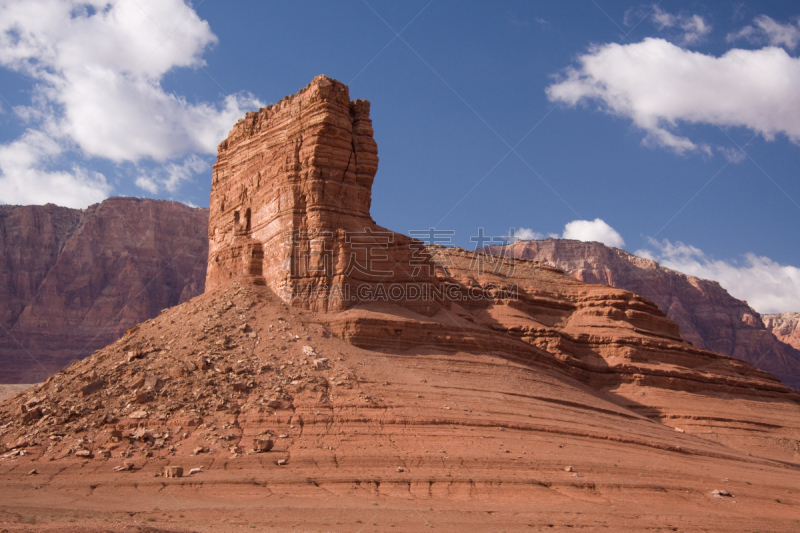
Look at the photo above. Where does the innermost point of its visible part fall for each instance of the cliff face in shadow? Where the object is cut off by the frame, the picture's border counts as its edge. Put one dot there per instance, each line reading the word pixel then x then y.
pixel 72 281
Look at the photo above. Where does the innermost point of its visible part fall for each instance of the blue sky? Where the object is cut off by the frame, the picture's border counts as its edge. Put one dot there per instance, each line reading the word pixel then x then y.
pixel 670 129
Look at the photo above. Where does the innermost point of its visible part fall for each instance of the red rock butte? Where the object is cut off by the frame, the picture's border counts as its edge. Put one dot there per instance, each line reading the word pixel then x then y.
pixel 524 399
pixel 290 204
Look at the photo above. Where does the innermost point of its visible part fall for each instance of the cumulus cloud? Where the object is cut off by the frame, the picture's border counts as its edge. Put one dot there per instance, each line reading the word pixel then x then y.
pixel 765 30
pixel 658 85
pixel 25 176
pixel 581 230
pixel 766 285
pixel 593 230
pixel 97 66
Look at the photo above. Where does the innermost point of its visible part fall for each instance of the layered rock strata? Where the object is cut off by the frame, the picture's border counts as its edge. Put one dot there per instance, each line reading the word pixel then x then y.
pixel 461 436
pixel 290 202
pixel 524 385
pixel 785 326
pixel 73 281
pixel 708 316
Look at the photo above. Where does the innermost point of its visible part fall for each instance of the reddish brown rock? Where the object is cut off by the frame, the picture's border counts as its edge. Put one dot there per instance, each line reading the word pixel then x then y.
pixel 31 239
pixel 459 418
pixel 28 415
pixel 447 409
pixel 708 316
pixel 785 326
pixel 262 445
pixel 71 281
pixel 290 204
pixel 173 471
pixel 91 388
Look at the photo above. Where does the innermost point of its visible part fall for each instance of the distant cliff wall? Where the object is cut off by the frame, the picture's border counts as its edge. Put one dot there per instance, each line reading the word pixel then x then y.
pixel 72 281
pixel 785 326
pixel 708 316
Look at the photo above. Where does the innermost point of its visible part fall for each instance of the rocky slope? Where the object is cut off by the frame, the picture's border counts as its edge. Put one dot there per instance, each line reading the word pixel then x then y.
pixel 413 433
pixel 708 316
pixel 785 326
pixel 72 281
pixel 500 382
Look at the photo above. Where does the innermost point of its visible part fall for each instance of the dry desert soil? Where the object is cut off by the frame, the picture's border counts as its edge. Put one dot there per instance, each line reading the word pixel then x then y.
pixel 374 440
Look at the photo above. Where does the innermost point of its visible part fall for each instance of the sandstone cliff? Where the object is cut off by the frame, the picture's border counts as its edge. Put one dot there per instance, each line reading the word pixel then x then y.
pixel 785 326
pixel 501 382
pixel 708 316
pixel 73 281
pixel 30 241
pixel 290 202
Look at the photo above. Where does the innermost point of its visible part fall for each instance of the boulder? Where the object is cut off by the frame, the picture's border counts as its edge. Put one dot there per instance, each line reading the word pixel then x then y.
pixel 173 471
pixel 261 445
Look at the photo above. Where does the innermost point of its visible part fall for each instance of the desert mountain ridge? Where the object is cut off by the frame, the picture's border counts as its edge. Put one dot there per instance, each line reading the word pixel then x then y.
pixel 334 372
pixel 72 281
pixel 708 316
pixel 133 279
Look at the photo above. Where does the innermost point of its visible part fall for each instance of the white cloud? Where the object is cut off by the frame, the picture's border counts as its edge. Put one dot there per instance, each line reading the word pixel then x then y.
pixel 657 85
pixel 525 234
pixel 593 230
pixel 148 183
pixel 767 30
pixel 767 286
pixel 681 28
pixel 734 155
pixel 26 179
pixel 97 66
pixel 663 19
pixel 694 27
pixel 581 230
pixel 170 176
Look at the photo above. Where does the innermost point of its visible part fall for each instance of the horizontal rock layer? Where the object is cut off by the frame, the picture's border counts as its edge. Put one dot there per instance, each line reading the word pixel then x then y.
pixel 488 423
pixel 708 316
pixel 290 202
pixel 467 380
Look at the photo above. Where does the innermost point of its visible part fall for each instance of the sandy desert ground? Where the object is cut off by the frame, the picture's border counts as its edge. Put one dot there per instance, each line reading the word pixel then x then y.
pixel 396 441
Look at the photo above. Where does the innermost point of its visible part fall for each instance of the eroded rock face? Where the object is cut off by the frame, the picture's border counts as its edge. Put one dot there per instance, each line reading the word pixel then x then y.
pixel 708 316
pixel 73 281
pixel 521 369
pixel 785 326
pixel 30 241
pixel 290 204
